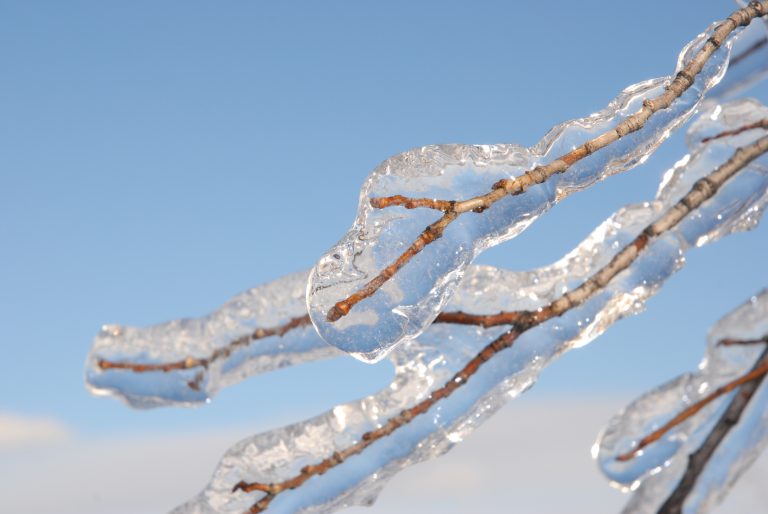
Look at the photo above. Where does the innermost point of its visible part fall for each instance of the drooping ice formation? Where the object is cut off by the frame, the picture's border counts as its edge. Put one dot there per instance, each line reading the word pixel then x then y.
pixel 410 300
pixel 206 354
pixel 424 364
pixel 659 468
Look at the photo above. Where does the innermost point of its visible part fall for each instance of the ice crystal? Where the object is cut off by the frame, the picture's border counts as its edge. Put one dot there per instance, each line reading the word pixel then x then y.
pixel 409 301
pixel 424 364
pixel 662 464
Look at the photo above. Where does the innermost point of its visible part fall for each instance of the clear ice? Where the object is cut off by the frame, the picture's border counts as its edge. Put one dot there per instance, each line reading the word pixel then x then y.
pixel 179 341
pixel 425 363
pixel 658 470
pixel 409 301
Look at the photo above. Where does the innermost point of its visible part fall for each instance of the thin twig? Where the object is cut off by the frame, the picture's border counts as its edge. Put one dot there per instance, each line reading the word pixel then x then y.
pixel 457 317
pixel 481 320
pixel 219 353
pixel 698 460
pixel 701 191
pixel 762 124
pixel 411 203
pixel 506 187
pixel 756 373
pixel 743 342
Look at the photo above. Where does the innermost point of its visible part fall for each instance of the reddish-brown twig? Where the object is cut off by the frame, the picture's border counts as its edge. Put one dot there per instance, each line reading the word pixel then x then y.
pixel 514 186
pixel 457 317
pixel 738 342
pixel 762 124
pixel 699 459
pixel 219 353
pixel 757 372
pixel 523 321
pixel 481 320
pixel 702 190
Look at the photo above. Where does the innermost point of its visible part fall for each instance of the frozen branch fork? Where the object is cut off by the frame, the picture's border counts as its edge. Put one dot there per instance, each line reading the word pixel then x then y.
pixel 375 289
pixel 471 337
pixel 454 375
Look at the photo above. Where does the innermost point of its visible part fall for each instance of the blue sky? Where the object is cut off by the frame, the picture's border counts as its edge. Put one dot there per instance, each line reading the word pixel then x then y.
pixel 158 158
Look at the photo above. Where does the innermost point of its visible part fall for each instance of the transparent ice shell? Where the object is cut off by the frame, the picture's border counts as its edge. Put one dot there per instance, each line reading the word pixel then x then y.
pixel 661 465
pixel 209 337
pixel 427 362
pixel 407 303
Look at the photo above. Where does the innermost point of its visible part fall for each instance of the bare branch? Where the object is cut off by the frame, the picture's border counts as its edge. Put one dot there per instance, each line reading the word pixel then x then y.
pixel 219 353
pixel 698 460
pixel 743 342
pixel 682 81
pixel 761 124
pixel 411 203
pixel 756 374
pixel 457 317
pixel 482 320
pixel 702 190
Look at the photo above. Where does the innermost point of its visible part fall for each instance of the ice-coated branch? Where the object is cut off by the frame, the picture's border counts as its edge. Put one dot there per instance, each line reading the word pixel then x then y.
pixel 755 375
pixel 731 342
pixel 684 444
pixel 369 265
pixel 703 189
pixel 759 124
pixel 442 389
pixel 540 174
pixel 137 363
pixel 186 362
pixel 702 457
pixel 190 362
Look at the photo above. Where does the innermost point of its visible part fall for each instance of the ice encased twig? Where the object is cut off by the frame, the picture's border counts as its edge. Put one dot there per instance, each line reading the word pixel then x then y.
pixel 182 340
pixel 426 363
pixel 748 64
pixel 410 300
pixel 660 466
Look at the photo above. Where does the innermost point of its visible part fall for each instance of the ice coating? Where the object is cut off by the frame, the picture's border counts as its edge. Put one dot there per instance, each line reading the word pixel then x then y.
pixel 188 341
pixel 411 299
pixel 658 471
pixel 747 66
pixel 424 364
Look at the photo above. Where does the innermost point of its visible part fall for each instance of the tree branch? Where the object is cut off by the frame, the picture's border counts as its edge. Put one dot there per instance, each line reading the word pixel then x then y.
pixel 742 342
pixel 219 353
pixel 756 374
pixel 456 317
pixel 761 124
pixel 699 459
pixel 508 187
pixel 701 191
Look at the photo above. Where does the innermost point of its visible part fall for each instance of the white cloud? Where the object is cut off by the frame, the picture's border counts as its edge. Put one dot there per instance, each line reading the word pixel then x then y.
pixel 19 431
pixel 531 458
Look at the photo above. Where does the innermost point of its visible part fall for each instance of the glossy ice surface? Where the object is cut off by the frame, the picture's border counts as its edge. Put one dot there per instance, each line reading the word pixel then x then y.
pixel 410 300
pixel 661 465
pixel 424 364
